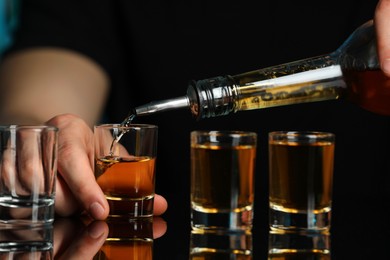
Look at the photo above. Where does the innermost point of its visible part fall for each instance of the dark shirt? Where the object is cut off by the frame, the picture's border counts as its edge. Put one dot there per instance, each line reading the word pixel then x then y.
pixel 151 49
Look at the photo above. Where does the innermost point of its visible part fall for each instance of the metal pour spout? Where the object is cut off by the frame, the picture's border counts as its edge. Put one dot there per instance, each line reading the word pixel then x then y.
pixel 163 105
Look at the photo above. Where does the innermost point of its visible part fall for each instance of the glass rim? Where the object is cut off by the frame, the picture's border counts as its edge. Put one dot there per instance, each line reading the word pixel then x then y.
pixel 28 127
pixel 306 134
pixel 233 133
pixel 130 126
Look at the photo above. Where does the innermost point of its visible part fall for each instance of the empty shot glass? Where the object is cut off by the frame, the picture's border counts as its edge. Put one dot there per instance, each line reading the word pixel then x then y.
pixel 222 180
pixel 300 180
pixel 28 166
pixel 125 158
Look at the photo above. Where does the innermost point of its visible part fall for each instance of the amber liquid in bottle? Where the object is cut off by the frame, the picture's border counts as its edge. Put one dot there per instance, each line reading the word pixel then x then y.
pixel 370 89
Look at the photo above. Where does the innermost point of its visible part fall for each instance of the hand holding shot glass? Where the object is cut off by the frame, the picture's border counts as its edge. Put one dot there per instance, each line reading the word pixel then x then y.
pixel 222 180
pixel 125 158
pixel 300 180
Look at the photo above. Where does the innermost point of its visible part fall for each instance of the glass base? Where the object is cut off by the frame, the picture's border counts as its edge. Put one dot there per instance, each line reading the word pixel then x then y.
pixel 20 212
pixel 222 221
pixel 315 222
pixel 131 208
pixel 28 246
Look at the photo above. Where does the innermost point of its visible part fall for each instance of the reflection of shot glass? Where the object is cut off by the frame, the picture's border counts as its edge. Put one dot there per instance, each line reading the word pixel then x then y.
pixel 300 180
pixel 125 159
pixel 131 239
pixel 220 245
pixel 299 245
pixel 222 180
pixel 28 166
pixel 34 242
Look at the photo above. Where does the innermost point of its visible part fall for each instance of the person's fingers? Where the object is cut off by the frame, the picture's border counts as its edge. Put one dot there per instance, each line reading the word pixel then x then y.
pixel 382 25
pixel 66 204
pixel 8 173
pixel 160 205
pixel 75 158
pixel 77 173
pixel 159 227
pixel 31 152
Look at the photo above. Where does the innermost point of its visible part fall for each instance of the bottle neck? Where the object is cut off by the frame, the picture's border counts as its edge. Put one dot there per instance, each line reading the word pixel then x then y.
pixel 212 97
pixel 205 98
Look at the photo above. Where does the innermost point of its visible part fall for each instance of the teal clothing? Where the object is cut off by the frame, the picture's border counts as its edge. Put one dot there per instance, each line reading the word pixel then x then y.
pixel 8 22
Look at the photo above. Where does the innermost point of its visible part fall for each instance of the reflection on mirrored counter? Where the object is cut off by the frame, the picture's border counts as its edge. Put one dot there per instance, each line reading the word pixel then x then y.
pixel 23 242
pixel 75 238
pixel 299 245
pixel 220 245
pixel 131 239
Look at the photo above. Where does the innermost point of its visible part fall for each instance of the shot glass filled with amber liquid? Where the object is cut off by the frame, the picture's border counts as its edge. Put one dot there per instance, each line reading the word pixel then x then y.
pixel 125 158
pixel 300 180
pixel 222 180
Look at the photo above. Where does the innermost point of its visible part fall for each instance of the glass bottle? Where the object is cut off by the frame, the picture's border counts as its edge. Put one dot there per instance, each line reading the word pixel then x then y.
pixel 352 72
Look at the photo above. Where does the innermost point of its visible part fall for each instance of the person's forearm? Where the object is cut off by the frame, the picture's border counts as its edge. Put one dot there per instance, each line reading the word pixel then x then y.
pixel 38 84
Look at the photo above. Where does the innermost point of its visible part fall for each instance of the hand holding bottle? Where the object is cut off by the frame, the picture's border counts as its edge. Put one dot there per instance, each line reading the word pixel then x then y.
pixel 382 25
pixel 356 71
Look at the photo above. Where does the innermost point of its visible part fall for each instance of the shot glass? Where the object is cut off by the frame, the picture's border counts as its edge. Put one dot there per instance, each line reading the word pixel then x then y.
pixel 222 180
pixel 125 158
pixel 28 166
pixel 300 180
